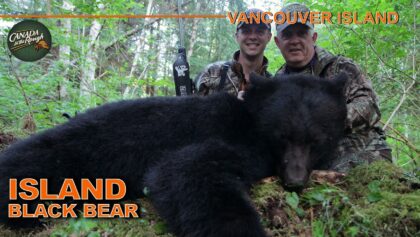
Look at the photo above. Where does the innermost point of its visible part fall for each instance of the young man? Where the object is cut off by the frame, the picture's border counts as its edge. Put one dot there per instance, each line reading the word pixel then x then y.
pixel 365 140
pixel 233 76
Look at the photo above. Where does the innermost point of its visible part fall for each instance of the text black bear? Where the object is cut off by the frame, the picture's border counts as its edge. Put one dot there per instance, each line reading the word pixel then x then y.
pixel 197 156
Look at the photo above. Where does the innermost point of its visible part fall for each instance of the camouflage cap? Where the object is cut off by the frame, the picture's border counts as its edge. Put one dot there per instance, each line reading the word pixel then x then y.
pixel 254 11
pixel 290 9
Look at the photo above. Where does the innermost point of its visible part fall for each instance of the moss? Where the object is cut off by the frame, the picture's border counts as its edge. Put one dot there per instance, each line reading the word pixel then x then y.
pixel 388 176
pixel 374 200
pixel 395 214
pixel 37 232
pixel 148 225
pixel 266 192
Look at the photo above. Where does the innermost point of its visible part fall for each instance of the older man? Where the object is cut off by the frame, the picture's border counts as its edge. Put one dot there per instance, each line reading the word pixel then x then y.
pixel 365 140
pixel 233 76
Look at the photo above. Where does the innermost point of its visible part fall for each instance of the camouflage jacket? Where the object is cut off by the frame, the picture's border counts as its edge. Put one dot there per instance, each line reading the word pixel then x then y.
pixel 207 82
pixel 363 132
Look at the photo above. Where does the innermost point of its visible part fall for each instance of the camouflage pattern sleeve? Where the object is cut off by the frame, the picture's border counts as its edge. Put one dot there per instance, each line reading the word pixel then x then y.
pixel 362 104
pixel 200 83
pixel 208 80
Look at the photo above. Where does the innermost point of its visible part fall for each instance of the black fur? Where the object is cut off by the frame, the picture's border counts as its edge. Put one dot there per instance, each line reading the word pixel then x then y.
pixel 198 156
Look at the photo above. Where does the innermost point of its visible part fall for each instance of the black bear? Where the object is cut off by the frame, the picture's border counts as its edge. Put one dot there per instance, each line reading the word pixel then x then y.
pixel 197 156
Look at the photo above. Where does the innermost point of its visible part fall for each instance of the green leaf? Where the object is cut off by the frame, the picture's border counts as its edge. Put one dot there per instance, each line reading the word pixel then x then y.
pixel 292 200
pixel 94 234
pixel 374 186
pixel 300 212
pixel 375 192
pixel 374 197
pixel 318 197
pixel 352 231
pixel 318 229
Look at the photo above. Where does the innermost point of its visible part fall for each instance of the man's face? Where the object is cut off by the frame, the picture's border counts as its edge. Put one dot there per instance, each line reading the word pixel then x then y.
pixel 252 39
pixel 296 45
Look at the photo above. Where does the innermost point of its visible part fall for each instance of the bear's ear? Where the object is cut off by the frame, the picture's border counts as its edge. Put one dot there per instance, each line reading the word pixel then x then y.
pixel 340 82
pixel 260 87
pixel 257 80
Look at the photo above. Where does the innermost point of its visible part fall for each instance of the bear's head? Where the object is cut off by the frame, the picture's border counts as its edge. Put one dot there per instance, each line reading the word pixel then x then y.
pixel 301 119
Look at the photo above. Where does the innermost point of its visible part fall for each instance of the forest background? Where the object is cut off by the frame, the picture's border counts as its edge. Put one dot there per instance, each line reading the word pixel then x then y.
pixel 95 61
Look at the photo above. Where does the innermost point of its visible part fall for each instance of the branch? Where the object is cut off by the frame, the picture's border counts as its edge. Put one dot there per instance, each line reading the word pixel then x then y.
pixel 404 96
pixel 413 158
pixel 403 138
pixel 141 27
pixel 22 89
pixel 405 90
pixel 379 57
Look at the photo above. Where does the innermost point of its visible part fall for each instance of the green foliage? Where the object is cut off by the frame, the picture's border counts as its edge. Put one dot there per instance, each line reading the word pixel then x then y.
pixel 292 200
pixel 79 227
pixel 147 225
pixel 387 54
pixel 116 227
pixel 374 194
pixel 373 200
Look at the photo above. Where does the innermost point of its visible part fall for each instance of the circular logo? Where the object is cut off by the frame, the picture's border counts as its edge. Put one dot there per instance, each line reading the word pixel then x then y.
pixel 29 40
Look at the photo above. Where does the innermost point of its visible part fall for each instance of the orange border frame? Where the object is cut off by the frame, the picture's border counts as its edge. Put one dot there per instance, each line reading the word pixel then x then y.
pixel 112 16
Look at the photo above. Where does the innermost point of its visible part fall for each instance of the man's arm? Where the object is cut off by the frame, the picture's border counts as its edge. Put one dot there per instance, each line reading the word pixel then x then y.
pixel 208 80
pixel 200 83
pixel 362 104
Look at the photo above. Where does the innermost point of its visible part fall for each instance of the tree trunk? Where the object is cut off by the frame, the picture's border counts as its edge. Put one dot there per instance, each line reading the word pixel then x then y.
pixel 64 51
pixel 87 86
pixel 139 49
pixel 194 31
